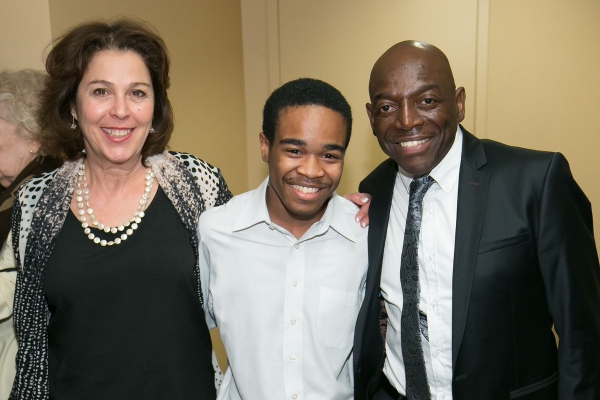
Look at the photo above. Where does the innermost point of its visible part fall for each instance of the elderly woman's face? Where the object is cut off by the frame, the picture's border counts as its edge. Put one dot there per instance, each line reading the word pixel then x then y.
pixel 115 104
pixel 14 152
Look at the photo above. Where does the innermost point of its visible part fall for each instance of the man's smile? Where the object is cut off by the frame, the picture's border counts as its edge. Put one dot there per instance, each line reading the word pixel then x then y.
pixel 305 189
pixel 413 143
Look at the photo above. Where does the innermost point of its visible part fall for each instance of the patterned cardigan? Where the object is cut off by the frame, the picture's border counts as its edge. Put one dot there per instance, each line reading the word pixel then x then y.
pixel 42 205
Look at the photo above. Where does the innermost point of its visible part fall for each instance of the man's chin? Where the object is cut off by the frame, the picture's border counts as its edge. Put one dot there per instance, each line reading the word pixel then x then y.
pixel 307 211
pixel 413 169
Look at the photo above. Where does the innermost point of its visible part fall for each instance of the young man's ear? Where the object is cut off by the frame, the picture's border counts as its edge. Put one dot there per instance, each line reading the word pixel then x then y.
pixel 264 147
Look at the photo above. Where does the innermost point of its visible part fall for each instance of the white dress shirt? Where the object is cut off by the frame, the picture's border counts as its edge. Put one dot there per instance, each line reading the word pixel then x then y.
pixel 436 257
pixel 285 307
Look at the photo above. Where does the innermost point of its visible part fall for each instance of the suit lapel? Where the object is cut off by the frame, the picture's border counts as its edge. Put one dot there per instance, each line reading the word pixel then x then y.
pixel 369 346
pixel 472 197
pixel 379 218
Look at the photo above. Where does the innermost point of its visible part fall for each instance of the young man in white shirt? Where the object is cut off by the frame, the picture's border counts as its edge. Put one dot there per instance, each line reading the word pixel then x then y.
pixel 284 265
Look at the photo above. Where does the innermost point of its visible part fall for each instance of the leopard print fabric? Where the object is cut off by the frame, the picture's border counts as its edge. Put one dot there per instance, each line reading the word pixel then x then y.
pixel 191 185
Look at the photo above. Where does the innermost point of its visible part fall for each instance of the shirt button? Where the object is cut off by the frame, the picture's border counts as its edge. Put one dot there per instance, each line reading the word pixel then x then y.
pixel 271 227
pixel 293 358
pixel 437 353
pixel 432 305
pixel 295 283
pixel 297 245
pixel 294 396
pixel 430 258
pixel 443 395
pixel 428 210
pixel 293 322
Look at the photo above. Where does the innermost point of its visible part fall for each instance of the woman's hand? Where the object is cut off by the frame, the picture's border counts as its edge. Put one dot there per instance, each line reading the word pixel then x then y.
pixel 363 200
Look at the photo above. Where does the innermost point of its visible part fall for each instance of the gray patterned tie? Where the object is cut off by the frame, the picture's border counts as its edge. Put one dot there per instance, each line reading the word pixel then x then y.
pixel 417 387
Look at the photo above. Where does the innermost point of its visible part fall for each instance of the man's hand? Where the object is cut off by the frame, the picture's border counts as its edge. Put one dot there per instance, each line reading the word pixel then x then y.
pixel 363 200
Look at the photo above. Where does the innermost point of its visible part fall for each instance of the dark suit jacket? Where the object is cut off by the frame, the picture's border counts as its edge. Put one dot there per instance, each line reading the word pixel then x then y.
pixel 524 258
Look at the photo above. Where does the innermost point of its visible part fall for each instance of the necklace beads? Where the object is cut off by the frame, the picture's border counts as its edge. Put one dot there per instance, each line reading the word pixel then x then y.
pixel 85 211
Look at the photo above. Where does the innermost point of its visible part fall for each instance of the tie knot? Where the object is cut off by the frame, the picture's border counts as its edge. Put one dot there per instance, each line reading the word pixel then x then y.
pixel 419 186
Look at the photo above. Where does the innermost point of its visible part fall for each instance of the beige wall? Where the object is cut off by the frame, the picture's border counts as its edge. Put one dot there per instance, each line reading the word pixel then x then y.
pixel 529 68
pixel 544 58
pixel 261 74
pixel 24 33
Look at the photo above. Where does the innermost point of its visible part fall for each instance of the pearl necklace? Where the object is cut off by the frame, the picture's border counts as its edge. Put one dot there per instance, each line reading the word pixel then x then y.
pixel 127 228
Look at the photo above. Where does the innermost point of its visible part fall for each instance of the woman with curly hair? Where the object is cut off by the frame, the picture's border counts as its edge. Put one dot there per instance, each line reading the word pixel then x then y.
pixel 108 301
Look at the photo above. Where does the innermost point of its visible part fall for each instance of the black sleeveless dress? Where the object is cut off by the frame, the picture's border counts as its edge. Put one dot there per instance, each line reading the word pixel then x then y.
pixel 126 321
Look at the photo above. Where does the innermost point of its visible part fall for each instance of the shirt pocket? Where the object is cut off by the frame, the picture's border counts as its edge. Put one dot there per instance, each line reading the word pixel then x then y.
pixel 336 318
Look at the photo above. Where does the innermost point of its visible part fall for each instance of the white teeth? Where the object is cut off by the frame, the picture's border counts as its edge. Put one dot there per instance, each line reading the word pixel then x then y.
pixel 118 133
pixel 412 143
pixel 305 189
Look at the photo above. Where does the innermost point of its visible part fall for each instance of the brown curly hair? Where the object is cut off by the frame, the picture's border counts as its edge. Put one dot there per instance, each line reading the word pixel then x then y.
pixel 68 61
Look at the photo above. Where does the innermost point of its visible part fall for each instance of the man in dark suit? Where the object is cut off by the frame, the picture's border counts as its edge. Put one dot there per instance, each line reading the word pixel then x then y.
pixel 504 250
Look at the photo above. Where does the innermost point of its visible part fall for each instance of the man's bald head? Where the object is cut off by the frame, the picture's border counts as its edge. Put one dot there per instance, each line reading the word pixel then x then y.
pixel 412 54
pixel 415 108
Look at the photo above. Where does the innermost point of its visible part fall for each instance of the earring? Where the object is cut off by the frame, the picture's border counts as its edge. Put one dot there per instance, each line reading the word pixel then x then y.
pixel 73 125
pixel 31 151
pixel 151 129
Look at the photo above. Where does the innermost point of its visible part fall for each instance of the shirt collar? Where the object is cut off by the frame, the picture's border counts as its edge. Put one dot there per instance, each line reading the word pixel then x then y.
pixel 446 172
pixel 337 218
pixel 255 212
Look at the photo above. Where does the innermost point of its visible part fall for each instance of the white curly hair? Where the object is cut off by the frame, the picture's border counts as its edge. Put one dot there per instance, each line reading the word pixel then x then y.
pixel 19 92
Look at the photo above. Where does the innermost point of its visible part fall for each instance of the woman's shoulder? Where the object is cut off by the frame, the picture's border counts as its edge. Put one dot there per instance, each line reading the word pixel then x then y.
pixel 39 183
pixel 194 164
pixel 208 179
